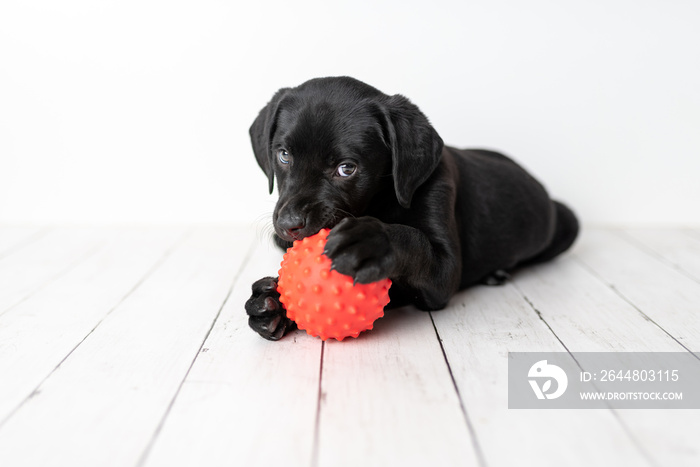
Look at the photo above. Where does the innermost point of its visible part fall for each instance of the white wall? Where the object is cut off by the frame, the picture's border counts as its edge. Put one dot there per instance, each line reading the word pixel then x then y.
pixel 139 110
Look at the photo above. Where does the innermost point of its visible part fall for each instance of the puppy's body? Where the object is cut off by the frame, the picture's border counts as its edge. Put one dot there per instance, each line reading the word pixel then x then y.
pixel 400 204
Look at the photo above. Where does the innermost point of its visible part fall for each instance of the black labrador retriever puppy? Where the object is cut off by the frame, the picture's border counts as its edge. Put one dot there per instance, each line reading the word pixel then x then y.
pixel 401 205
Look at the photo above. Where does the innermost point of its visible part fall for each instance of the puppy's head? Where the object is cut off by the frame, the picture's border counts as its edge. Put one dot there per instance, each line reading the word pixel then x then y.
pixel 333 144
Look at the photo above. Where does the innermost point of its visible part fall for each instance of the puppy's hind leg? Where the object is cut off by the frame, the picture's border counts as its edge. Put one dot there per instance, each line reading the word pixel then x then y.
pixel 565 232
pixel 497 277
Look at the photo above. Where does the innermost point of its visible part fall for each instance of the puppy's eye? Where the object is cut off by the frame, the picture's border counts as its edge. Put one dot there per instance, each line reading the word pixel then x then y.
pixel 346 169
pixel 283 156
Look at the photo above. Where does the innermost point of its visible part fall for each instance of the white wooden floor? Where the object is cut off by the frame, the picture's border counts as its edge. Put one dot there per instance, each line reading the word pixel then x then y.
pixel 130 347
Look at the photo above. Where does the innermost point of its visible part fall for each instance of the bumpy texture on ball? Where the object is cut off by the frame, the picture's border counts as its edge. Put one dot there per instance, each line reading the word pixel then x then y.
pixel 323 302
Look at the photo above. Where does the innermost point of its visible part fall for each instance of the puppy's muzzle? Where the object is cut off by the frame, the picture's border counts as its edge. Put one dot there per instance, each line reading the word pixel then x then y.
pixel 290 226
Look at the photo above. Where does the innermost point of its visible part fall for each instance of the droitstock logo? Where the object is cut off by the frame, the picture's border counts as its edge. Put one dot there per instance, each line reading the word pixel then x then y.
pixel 545 373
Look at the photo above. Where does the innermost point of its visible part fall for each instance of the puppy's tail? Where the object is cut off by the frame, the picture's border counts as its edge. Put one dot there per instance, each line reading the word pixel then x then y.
pixel 565 232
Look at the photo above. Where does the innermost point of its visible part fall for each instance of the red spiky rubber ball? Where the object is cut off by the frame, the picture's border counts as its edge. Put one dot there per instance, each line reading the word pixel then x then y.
pixel 323 302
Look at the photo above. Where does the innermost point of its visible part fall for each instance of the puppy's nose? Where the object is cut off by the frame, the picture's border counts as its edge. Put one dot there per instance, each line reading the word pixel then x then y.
pixel 292 224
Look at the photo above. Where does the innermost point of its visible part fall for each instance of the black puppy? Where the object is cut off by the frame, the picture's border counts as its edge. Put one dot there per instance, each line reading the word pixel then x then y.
pixel 401 205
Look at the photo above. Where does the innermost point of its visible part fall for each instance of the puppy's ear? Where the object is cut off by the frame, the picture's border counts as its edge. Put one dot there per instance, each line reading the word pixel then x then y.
pixel 261 132
pixel 415 146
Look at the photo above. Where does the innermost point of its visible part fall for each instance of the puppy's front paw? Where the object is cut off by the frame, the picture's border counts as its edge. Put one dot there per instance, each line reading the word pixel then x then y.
pixel 266 315
pixel 360 247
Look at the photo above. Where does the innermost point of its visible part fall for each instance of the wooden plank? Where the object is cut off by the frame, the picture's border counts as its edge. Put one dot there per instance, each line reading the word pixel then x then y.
pixel 388 399
pixel 13 238
pixel 27 270
pixel 675 246
pixel 246 401
pixel 478 329
pixel 589 316
pixel 104 402
pixel 225 422
pixel 671 299
pixel 37 334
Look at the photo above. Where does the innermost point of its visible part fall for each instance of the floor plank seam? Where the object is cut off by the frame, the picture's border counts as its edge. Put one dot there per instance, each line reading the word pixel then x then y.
pixel 539 315
pixel 472 432
pixel 24 243
pixel 639 445
pixel 153 268
pixel 55 277
pixel 154 437
pixel 624 426
pixel 657 256
pixel 316 447
pixel 612 287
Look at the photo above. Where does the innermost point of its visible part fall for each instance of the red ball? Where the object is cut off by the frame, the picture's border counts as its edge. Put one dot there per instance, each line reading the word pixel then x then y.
pixel 323 302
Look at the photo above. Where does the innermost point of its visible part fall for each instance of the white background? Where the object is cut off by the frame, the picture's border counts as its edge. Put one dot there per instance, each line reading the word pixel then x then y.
pixel 139 111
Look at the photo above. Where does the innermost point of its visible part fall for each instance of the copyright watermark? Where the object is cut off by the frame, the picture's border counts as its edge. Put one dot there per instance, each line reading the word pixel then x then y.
pixel 593 380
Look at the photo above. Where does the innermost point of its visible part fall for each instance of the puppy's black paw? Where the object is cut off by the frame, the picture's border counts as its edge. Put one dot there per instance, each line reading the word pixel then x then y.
pixel 266 315
pixel 360 247
pixel 498 277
